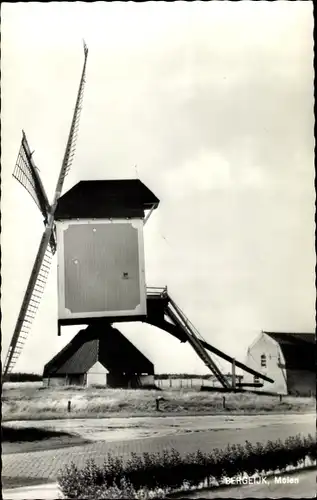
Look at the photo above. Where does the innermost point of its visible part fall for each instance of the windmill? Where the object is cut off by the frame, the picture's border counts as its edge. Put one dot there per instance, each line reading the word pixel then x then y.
pixel 27 174
pixel 97 228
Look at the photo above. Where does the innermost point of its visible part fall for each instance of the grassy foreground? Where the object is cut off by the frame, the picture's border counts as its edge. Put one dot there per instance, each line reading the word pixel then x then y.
pixel 34 402
pixel 157 474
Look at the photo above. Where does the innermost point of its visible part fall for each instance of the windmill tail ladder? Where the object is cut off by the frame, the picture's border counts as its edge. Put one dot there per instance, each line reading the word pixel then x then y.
pixel 177 320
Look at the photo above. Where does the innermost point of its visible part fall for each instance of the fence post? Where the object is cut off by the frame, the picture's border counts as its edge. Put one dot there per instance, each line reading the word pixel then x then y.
pixel 233 374
pixel 157 402
pixel 223 401
pixel 69 406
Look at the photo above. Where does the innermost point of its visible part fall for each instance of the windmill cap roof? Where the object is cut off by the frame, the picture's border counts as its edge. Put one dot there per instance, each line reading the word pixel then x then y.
pixel 118 198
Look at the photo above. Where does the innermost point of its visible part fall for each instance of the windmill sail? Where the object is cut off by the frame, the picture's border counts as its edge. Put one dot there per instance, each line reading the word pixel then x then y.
pixel 72 138
pixel 27 174
pixel 31 301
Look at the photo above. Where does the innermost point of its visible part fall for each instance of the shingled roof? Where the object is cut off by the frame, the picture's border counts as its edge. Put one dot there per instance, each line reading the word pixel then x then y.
pixel 297 349
pixel 101 343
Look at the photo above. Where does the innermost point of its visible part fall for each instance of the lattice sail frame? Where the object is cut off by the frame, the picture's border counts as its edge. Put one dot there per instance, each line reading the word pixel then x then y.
pixel 27 174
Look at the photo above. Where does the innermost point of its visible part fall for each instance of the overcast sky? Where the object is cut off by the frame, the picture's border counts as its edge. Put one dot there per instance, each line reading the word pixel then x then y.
pixel 214 103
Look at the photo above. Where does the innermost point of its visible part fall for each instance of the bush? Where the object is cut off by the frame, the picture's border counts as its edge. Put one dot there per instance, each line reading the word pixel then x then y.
pixel 158 473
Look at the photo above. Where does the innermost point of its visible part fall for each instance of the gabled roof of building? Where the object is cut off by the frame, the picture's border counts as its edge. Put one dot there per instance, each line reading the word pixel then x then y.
pixel 81 360
pixel 123 198
pixel 101 343
pixel 297 349
pixel 292 337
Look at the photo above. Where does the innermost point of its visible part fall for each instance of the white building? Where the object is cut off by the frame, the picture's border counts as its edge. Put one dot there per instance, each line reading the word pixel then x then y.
pixel 288 358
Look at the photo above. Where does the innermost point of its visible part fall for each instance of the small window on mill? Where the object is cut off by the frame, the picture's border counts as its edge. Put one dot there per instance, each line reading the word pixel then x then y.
pixel 263 360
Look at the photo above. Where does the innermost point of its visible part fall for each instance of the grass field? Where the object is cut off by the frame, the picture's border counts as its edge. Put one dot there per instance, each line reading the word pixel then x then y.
pixel 31 401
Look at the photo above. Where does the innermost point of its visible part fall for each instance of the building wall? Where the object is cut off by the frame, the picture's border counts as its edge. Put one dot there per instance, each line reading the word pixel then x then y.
pixel 128 381
pixel 62 380
pixel 117 380
pixel 54 381
pixel 264 345
pixel 146 380
pixel 97 374
pixel 301 382
pixel 76 379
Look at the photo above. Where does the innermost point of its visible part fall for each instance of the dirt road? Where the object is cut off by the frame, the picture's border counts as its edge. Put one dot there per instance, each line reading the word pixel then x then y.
pixel 196 434
pixel 120 429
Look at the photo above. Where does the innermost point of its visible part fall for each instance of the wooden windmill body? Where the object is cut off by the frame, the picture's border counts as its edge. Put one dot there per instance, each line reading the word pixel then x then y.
pixel 101 269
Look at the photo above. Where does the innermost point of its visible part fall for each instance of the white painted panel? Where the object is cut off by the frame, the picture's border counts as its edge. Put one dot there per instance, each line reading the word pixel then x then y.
pixel 97 375
pixel 274 357
pixel 101 268
pixel 98 368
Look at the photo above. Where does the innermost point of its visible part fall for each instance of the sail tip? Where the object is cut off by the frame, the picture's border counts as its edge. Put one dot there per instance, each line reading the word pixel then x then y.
pixel 85 48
